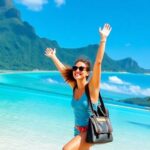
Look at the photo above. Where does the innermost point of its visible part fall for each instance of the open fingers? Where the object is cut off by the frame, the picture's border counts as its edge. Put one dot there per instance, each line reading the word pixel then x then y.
pixel 107 26
pixel 49 51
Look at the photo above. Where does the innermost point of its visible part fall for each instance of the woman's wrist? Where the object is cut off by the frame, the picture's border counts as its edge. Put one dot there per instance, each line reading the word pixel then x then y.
pixel 54 58
pixel 103 39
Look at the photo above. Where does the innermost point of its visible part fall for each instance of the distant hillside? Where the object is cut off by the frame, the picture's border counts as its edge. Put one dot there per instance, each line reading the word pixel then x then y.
pixel 138 101
pixel 22 49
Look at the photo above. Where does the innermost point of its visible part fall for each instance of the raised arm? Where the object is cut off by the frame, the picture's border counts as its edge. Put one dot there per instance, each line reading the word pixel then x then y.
pixel 51 53
pixel 94 83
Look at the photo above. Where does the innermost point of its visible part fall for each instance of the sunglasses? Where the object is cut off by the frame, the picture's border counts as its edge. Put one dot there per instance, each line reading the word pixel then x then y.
pixel 81 68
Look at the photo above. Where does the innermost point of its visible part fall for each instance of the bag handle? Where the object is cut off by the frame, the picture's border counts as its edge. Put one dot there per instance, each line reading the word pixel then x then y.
pixel 90 103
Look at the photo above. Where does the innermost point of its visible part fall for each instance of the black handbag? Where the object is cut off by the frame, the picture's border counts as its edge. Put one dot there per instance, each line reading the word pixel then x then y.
pixel 99 127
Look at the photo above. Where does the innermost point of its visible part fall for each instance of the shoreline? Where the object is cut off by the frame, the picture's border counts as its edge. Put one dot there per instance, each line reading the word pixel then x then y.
pixel 22 71
pixel 40 71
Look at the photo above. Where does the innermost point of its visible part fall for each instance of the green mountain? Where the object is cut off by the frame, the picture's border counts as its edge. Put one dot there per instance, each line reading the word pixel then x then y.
pixel 138 101
pixel 22 49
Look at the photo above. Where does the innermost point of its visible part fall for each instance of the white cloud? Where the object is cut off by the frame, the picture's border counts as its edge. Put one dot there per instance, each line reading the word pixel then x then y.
pixel 116 80
pixel 137 90
pixel 116 84
pixel 109 87
pixel 126 89
pixel 35 5
pixel 60 2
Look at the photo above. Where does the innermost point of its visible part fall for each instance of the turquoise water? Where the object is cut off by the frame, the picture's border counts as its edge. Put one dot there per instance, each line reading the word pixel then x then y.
pixel 35 111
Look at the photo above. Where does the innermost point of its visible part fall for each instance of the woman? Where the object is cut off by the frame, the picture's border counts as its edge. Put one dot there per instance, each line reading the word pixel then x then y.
pixel 77 77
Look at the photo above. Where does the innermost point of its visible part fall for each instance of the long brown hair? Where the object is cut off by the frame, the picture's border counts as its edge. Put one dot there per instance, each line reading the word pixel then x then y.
pixel 68 72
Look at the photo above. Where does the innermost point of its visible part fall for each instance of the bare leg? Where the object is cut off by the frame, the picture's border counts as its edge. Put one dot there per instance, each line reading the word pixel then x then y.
pixel 78 143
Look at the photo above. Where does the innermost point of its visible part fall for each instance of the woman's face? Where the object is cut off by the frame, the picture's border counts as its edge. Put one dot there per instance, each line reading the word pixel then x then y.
pixel 80 71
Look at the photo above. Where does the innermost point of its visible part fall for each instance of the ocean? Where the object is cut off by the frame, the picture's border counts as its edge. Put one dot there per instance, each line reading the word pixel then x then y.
pixel 36 114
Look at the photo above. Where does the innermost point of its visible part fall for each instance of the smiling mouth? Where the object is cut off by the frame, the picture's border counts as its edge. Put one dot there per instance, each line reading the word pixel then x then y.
pixel 77 74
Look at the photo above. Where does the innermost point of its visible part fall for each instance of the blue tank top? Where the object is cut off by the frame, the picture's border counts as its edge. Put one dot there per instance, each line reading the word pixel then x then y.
pixel 82 110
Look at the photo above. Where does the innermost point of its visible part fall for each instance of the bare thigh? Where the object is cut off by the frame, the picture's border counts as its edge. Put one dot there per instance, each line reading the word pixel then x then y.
pixel 78 143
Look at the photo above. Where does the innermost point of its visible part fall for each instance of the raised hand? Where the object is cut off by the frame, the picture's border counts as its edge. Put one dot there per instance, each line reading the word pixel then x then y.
pixel 105 31
pixel 49 52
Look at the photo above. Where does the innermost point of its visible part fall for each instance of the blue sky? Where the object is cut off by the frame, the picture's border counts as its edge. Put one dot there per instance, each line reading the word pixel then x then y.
pixel 75 23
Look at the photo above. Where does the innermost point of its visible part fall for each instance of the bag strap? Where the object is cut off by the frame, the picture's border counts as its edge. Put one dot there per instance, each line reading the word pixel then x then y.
pixel 74 88
pixel 90 103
